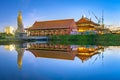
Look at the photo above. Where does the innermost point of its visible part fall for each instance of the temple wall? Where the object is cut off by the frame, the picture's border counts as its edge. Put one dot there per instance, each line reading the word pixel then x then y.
pixel 48 32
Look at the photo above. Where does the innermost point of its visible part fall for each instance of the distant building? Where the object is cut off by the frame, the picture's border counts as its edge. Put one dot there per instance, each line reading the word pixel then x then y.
pixel 54 27
pixel 10 30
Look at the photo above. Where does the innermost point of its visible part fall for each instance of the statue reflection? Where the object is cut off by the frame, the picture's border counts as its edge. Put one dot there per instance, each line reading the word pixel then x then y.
pixel 64 52
pixel 20 48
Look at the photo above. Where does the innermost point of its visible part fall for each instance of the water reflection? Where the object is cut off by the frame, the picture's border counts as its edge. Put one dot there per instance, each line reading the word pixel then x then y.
pixel 20 48
pixel 63 52
pixel 44 61
pixel 10 47
pixel 86 52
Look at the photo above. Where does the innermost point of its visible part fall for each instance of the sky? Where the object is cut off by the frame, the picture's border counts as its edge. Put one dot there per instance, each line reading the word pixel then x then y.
pixel 41 10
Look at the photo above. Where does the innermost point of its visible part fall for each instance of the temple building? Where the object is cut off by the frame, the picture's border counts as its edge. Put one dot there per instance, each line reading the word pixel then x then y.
pixel 54 27
pixel 85 25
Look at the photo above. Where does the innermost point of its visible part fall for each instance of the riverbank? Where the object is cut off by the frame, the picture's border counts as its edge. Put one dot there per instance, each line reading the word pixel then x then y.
pixel 105 39
pixel 13 40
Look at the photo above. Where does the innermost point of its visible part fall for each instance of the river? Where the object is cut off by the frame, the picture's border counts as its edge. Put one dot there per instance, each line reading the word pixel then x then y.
pixel 45 61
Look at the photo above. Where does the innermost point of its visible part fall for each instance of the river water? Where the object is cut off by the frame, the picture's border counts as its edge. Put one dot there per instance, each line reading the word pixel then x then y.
pixel 43 61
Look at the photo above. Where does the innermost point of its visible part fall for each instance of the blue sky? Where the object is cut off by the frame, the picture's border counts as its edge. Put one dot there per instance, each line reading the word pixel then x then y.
pixel 37 10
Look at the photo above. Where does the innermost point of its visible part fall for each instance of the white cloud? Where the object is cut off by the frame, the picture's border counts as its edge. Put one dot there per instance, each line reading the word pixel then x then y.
pixel 31 17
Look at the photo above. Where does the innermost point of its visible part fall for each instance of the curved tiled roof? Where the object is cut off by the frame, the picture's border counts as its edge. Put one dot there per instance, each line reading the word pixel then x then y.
pixel 67 23
pixel 86 20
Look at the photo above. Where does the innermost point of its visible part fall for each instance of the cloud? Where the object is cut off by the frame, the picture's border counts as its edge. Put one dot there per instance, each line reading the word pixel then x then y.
pixel 31 17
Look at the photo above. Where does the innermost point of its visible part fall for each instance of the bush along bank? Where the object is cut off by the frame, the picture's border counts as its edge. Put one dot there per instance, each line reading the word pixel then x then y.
pixel 105 39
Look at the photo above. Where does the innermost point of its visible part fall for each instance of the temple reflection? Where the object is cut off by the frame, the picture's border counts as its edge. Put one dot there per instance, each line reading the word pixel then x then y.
pixel 86 52
pixel 53 54
pixel 52 51
pixel 64 52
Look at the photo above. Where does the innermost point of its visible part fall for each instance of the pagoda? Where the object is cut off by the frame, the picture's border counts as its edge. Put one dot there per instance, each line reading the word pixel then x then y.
pixel 85 24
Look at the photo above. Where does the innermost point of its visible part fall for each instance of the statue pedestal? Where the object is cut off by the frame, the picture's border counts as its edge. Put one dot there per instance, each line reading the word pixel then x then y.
pixel 21 35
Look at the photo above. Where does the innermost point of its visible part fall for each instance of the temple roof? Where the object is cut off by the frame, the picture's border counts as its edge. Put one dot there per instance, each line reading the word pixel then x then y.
pixel 67 23
pixel 85 20
pixel 53 54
